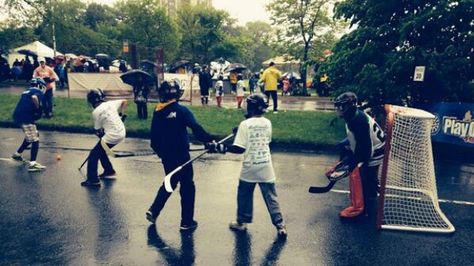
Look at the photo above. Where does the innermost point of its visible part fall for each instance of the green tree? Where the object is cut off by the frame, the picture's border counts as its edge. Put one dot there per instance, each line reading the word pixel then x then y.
pixel 146 24
pixel 204 35
pixel 258 36
pixel 301 23
pixel 378 58
pixel 12 36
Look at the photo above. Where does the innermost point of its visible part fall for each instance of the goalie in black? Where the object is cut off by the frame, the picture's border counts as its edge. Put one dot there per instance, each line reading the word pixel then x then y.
pixel 363 150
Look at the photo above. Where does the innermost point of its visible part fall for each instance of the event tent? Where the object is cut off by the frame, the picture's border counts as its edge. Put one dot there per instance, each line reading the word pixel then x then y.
pixel 38 47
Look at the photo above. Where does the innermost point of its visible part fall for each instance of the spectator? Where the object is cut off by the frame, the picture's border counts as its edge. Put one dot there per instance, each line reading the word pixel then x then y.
pixel 123 66
pixel 233 81
pixel 270 78
pixel 49 76
pixel 253 82
pixel 219 86
pixel 61 73
pixel 141 91
pixel 240 91
pixel 205 82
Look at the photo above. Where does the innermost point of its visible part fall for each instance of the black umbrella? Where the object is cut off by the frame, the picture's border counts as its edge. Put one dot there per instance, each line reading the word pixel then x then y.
pixel 180 63
pixel 289 75
pixel 27 52
pixel 136 77
pixel 102 56
pixel 236 67
pixel 148 63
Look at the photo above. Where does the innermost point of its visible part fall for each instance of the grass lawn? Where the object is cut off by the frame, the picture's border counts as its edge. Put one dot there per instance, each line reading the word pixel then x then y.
pixel 300 130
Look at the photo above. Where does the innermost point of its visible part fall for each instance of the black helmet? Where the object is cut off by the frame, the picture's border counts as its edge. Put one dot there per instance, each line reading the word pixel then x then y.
pixel 95 96
pixel 37 82
pixel 256 105
pixel 345 103
pixel 169 90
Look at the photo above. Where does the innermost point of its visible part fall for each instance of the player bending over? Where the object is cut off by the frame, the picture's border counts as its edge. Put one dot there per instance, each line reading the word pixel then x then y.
pixel 27 112
pixel 252 139
pixel 364 152
pixel 170 141
pixel 108 125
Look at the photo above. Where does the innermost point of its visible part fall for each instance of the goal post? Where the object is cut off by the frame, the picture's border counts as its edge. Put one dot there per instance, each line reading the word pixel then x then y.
pixel 408 196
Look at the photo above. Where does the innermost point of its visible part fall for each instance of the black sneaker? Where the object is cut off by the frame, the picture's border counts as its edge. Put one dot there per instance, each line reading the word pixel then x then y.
pixel 18 158
pixel 188 226
pixel 89 183
pixel 150 218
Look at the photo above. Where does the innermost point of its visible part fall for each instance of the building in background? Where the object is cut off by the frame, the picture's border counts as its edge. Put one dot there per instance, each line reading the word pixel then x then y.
pixel 172 6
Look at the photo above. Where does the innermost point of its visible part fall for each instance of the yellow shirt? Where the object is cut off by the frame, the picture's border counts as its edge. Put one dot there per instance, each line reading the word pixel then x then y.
pixel 270 77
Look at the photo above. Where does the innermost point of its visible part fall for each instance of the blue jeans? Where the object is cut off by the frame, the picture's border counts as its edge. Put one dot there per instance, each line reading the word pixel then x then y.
pixel 48 103
pixel 245 202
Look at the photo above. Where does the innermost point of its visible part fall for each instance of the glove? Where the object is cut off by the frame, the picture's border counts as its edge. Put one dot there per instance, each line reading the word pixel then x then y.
pixel 234 130
pixel 123 117
pixel 47 79
pixel 214 147
pixel 100 132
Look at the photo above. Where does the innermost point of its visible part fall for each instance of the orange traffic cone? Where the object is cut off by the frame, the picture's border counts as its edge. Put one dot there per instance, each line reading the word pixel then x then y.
pixel 356 195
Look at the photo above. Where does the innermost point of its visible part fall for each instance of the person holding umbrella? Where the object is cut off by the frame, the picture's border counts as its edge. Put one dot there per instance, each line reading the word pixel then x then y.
pixel 49 77
pixel 140 81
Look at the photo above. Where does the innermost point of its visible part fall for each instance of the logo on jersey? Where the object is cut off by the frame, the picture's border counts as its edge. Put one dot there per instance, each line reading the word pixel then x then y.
pixel 463 129
pixel 171 115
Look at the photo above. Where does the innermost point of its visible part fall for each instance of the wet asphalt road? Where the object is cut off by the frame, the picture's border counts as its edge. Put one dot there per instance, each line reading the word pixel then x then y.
pixel 48 218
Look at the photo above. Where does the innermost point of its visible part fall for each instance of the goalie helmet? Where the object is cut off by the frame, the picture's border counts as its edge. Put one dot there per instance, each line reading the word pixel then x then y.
pixel 95 96
pixel 346 104
pixel 256 105
pixel 170 90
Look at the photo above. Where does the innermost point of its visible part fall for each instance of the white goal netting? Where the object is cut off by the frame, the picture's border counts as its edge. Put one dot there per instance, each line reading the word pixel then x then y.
pixel 409 198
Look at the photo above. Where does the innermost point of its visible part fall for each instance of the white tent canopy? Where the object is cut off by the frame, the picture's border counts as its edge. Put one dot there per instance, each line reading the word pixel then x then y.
pixel 38 47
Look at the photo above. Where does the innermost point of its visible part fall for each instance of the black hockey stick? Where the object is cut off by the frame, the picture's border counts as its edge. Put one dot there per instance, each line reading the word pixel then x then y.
pixel 318 190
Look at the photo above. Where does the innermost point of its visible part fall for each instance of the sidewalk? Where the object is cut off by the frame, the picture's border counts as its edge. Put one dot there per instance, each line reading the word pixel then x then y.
pixel 310 103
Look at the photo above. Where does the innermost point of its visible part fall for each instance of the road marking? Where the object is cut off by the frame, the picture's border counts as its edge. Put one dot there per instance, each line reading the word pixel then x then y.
pixel 458 202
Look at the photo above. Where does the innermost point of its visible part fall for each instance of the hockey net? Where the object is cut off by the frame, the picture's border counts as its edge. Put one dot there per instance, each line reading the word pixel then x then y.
pixel 408 197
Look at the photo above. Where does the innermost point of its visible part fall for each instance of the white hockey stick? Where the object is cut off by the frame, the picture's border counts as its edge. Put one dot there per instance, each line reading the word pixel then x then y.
pixel 167 180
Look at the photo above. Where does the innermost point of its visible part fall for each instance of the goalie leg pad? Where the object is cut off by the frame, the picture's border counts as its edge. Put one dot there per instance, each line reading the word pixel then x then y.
pixel 356 195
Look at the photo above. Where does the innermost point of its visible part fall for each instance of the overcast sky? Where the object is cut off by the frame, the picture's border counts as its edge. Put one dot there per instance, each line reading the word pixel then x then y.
pixel 244 10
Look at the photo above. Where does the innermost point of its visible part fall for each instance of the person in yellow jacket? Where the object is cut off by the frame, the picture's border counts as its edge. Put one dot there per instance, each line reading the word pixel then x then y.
pixel 270 78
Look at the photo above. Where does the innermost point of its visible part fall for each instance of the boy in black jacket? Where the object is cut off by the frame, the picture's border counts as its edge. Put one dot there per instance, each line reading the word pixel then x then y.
pixel 169 139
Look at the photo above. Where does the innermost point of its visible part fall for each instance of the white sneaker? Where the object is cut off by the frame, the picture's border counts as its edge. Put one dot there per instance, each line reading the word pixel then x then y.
pixel 35 167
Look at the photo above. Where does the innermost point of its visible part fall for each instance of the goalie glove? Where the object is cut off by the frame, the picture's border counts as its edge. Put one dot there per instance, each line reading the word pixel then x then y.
pixel 342 170
pixel 214 147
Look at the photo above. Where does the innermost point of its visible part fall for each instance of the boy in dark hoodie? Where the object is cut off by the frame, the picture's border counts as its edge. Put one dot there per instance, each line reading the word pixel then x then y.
pixel 170 141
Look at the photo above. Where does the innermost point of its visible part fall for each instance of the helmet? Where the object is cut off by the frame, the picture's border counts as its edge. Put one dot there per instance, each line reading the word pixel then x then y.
pixel 37 82
pixel 95 96
pixel 240 76
pixel 256 105
pixel 345 103
pixel 170 90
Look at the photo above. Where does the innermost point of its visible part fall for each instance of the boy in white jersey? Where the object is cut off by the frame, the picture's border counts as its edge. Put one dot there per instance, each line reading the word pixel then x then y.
pixel 365 149
pixel 252 139
pixel 109 127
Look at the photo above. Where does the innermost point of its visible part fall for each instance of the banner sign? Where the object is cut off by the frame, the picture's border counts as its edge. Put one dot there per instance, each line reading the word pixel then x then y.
pixel 454 123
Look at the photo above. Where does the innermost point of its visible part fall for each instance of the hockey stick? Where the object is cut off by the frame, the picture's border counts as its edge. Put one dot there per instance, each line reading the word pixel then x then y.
pixel 325 189
pixel 167 180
